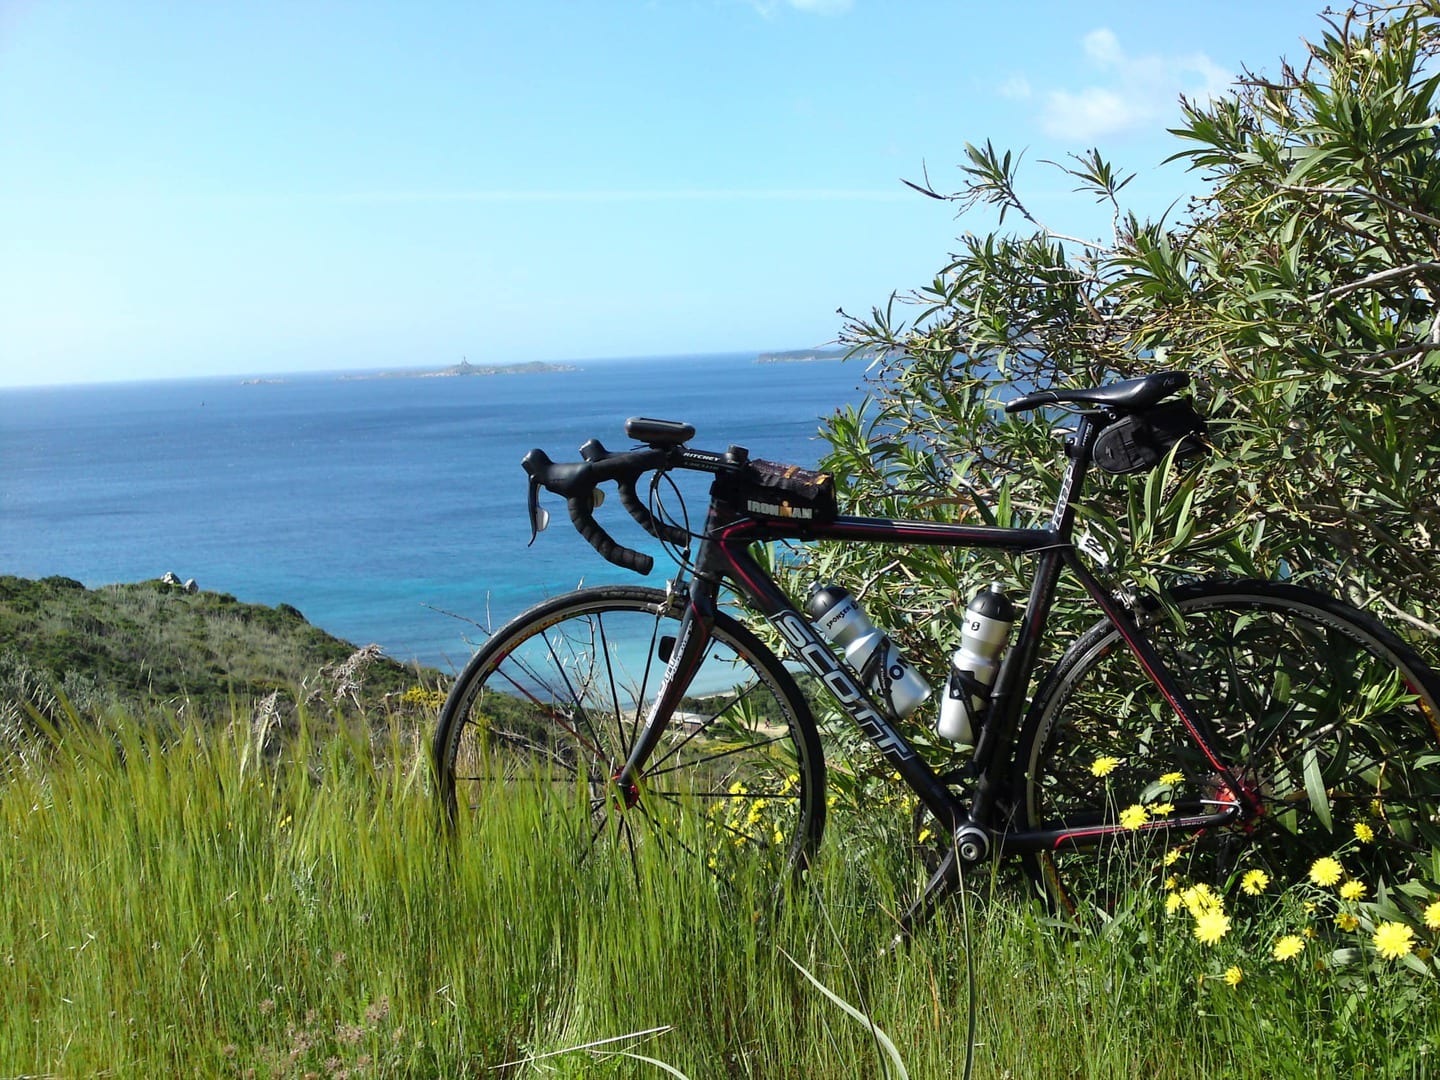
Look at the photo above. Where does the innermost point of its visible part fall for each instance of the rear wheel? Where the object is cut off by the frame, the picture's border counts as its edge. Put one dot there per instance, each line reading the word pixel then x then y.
pixel 1317 708
pixel 546 712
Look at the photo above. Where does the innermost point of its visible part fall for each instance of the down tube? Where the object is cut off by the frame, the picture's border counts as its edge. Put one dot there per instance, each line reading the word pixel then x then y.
pixel 802 640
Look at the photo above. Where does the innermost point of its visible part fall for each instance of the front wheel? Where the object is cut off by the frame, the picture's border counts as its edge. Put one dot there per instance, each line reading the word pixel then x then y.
pixel 1323 713
pixel 544 715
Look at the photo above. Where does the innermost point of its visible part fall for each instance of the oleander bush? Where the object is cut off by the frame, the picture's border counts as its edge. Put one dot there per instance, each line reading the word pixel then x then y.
pixel 1301 291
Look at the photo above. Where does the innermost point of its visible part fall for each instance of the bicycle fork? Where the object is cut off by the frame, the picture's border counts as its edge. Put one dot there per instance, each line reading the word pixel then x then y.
pixel 691 642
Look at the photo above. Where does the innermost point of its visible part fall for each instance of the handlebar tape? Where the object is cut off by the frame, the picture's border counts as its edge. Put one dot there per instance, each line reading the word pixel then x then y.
pixel 580 477
pixel 594 450
pixel 576 482
pixel 661 530
pixel 586 525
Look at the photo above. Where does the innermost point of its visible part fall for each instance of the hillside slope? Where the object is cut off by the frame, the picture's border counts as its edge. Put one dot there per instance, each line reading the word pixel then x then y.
pixel 151 641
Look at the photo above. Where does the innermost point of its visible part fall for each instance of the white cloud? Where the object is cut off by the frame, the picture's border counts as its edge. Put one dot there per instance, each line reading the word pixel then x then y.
pixel 1103 47
pixel 1091 112
pixel 1129 92
pixel 1016 88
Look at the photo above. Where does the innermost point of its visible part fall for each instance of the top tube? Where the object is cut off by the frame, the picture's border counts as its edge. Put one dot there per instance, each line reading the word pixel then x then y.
pixel 801 512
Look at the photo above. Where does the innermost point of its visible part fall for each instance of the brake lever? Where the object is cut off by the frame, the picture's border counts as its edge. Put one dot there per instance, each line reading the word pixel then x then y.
pixel 539 516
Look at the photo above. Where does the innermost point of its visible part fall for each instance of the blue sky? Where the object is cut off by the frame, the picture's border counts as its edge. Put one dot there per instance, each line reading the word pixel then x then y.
pixel 261 187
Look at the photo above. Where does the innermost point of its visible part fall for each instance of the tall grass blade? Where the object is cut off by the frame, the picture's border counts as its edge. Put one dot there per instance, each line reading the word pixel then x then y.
pixel 874 1028
pixel 652 1061
pixel 646 1034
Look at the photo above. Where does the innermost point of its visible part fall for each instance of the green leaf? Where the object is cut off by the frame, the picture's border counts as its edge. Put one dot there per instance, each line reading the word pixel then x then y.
pixel 1315 789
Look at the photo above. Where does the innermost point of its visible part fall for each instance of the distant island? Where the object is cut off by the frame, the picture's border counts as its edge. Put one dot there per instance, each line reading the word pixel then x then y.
pixel 463 368
pixel 801 356
pixel 808 356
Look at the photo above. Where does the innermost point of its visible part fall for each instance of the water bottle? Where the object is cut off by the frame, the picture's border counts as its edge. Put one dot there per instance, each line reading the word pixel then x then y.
pixel 988 619
pixel 890 678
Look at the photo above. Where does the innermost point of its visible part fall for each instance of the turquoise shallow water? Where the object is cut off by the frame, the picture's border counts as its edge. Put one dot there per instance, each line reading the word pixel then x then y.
pixel 375 506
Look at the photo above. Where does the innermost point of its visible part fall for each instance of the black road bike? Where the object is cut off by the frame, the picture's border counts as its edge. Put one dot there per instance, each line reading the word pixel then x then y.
pixel 1222 727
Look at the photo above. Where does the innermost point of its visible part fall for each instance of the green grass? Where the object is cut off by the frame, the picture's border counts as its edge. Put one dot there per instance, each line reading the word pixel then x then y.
pixel 184 904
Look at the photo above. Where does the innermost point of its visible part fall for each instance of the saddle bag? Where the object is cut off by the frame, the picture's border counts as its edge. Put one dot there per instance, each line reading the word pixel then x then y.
pixel 768 489
pixel 1141 441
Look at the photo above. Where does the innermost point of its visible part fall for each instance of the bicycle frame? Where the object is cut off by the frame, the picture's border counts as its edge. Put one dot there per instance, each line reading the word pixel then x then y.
pixel 982 825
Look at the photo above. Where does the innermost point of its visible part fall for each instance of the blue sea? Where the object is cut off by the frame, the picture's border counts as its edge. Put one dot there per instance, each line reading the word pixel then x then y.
pixel 388 510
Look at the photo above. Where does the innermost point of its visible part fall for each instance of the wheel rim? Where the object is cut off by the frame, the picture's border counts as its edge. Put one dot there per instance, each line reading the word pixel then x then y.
pixel 556 706
pixel 1317 719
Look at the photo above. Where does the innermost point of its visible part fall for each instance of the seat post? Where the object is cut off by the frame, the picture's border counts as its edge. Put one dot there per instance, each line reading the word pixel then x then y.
pixel 1080 448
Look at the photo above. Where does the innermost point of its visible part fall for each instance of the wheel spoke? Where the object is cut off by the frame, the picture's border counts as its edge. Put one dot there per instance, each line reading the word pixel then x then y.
pixel 704 726
pixel 554 702
pixel 1303 697
pixel 748 748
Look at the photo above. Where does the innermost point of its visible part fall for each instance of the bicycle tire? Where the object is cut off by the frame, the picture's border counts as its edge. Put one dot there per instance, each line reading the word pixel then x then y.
pixel 1324 712
pixel 740 774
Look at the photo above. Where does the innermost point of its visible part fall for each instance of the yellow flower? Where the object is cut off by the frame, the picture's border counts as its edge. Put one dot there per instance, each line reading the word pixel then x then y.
pixel 1233 975
pixel 1432 916
pixel 1173 903
pixel 1255 882
pixel 1347 921
pixel 1132 817
pixel 1288 947
pixel 1364 833
pixel 1161 809
pixel 1172 856
pixel 925 834
pixel 1199 899
pixel 1326 871
pixel 1211 926
pixel 1104 766
pixel 1352 890
pixel 1172 883
pixel 1172 778
pixel 1393 940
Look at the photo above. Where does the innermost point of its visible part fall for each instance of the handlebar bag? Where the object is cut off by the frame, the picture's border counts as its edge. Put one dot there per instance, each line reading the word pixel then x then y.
pixel 1140 441
pixel 768 489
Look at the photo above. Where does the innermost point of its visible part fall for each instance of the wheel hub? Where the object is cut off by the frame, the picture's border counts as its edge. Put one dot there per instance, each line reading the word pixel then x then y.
pixel 626 796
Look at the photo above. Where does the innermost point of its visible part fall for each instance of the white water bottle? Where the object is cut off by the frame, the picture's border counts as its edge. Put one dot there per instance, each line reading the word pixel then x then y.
pixel 890 678
pixel 988 619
